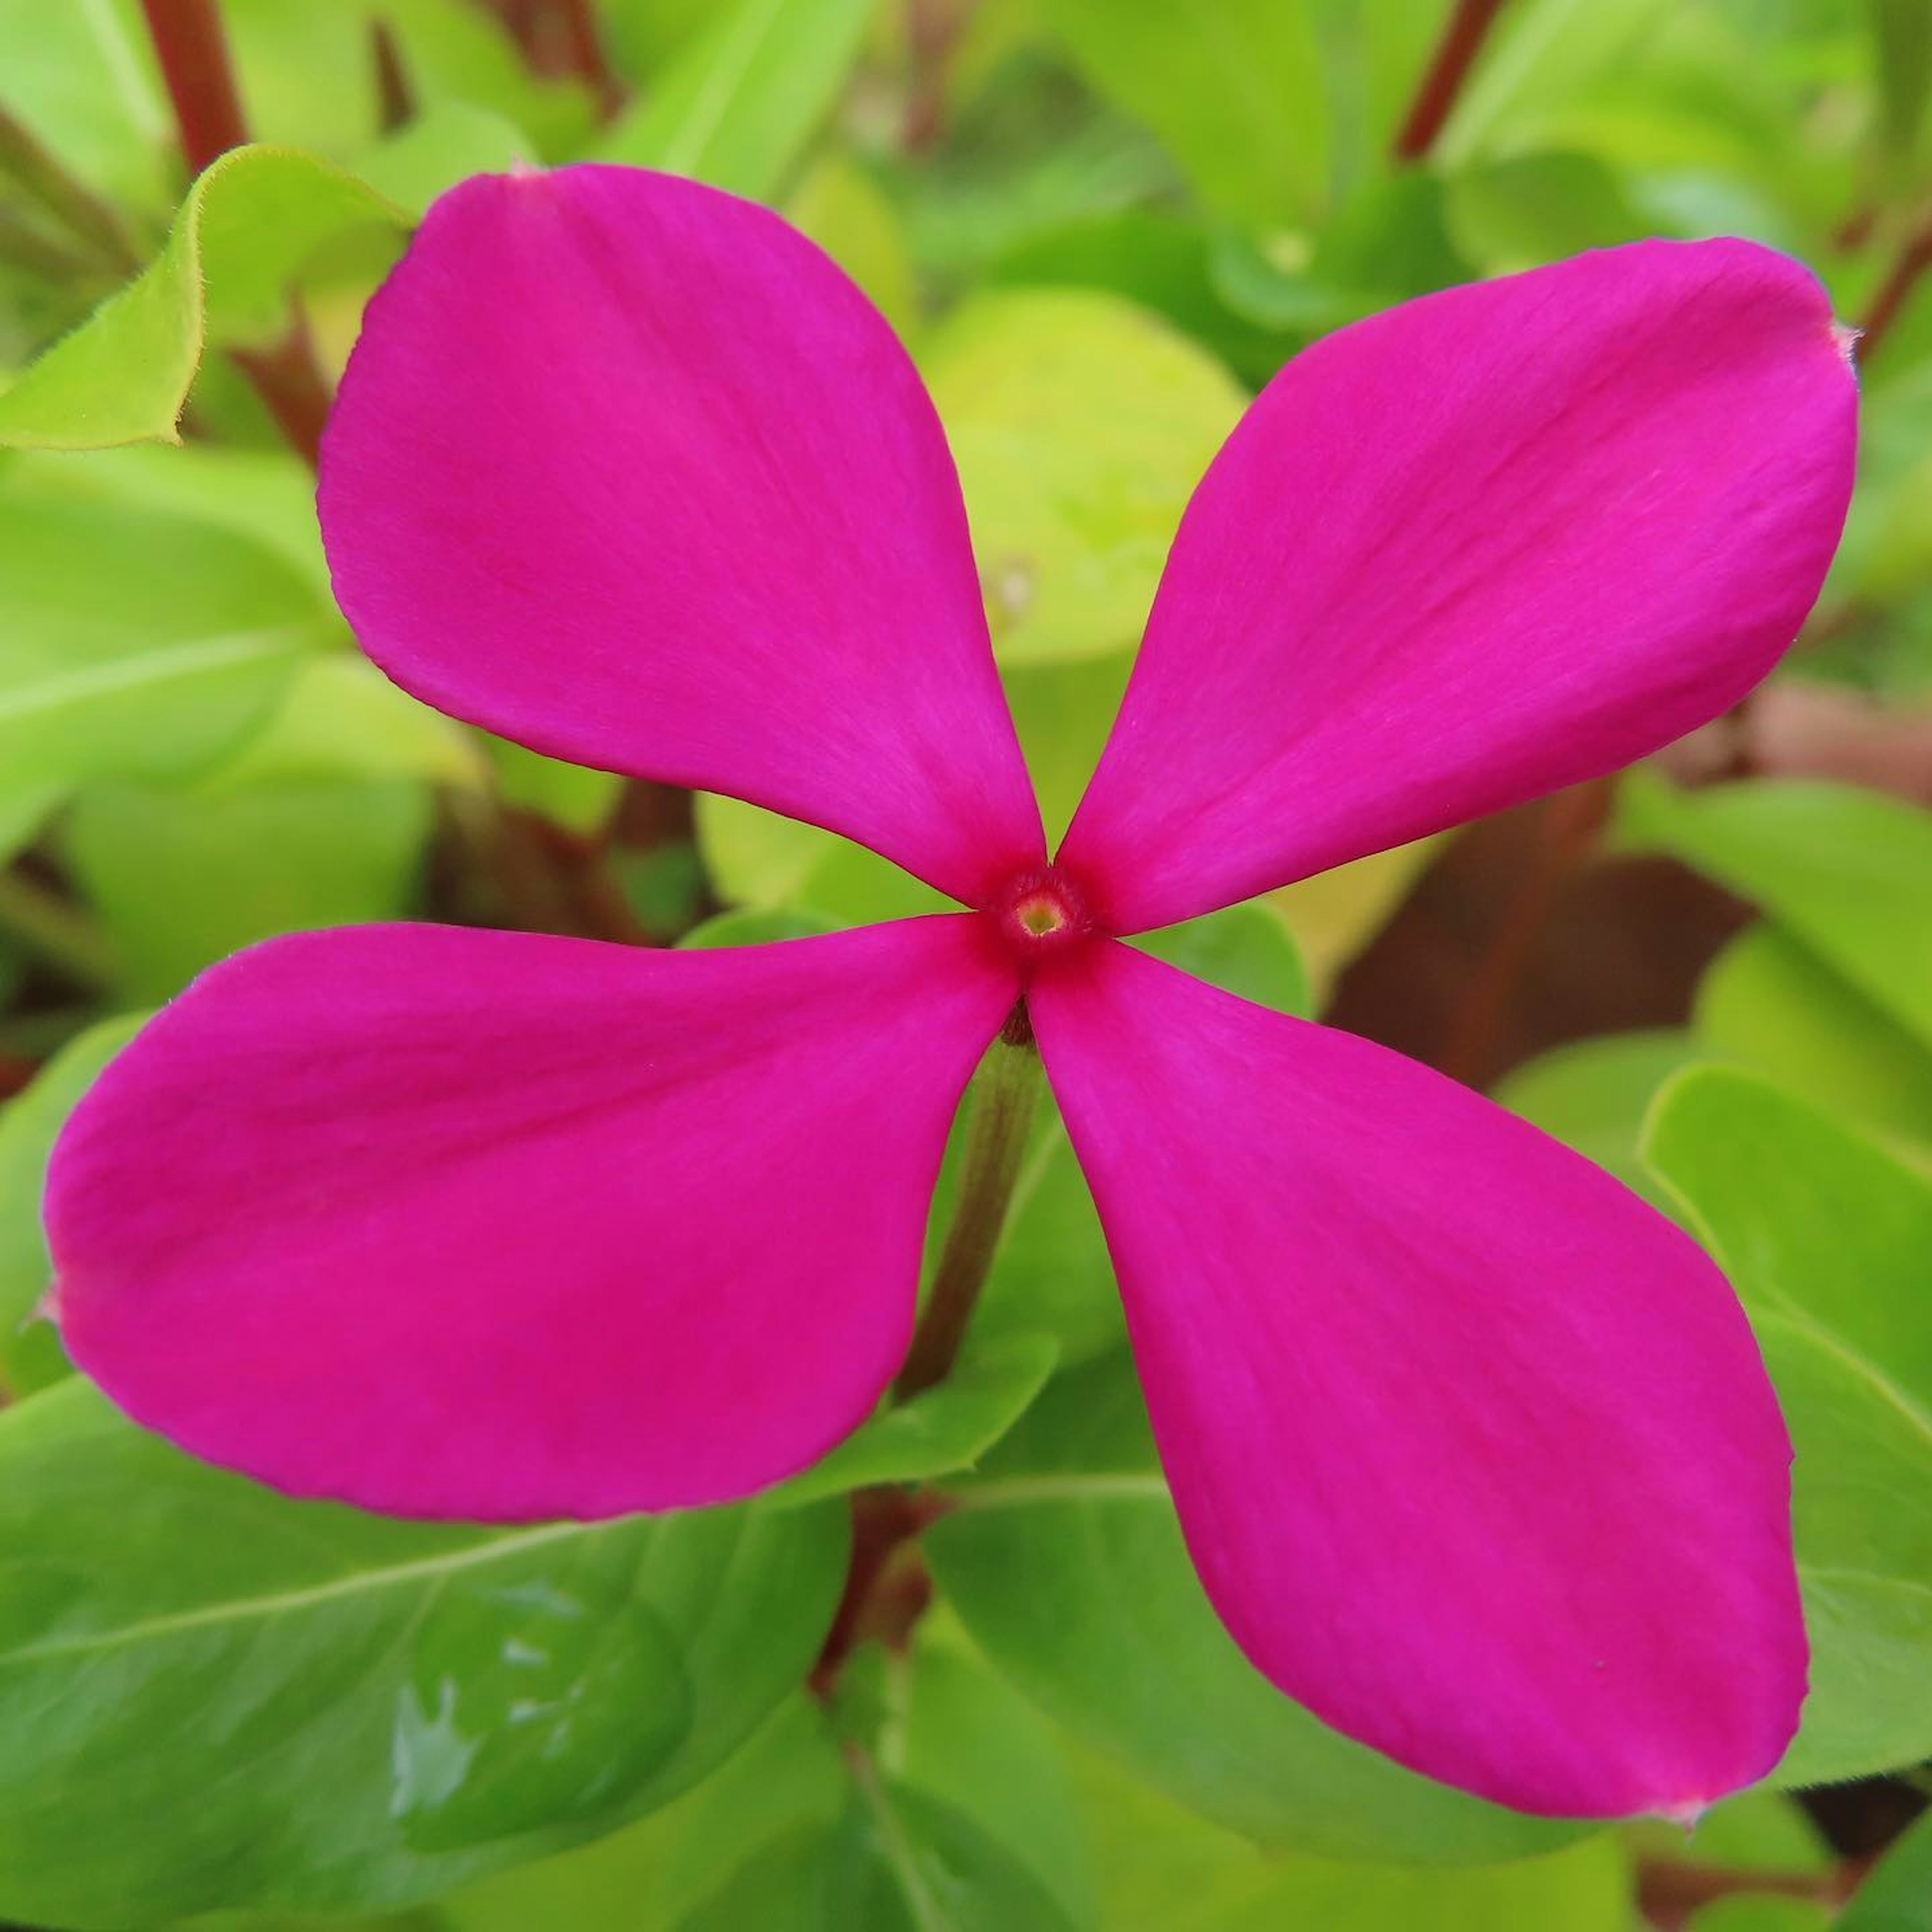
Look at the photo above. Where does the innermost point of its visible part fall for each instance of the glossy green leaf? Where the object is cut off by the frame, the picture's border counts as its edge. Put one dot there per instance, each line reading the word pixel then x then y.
pixel 211 1695
pixel 250 223
pixel 1847 871
pixel 1825 1236
pixel 138 644
pixel 178 880
pixel 1593 1094
pixel 1232 88
pixel 30 1354
pixel 737 107
pixel 787 1779
pixel 942 1429
pixel 1066 1563
pixel 1897 1896
pixel 1073 500
pixel 1769 1002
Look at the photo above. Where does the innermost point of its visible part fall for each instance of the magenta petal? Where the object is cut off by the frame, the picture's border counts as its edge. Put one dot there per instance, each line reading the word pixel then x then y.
pixel 492 1225
pixel 1474 1451
pixel 628 470
pixel 1489 543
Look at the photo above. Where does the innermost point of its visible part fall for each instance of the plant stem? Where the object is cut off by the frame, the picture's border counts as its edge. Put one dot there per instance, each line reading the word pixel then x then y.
pixel 1002 1096
pixel 1448 68
pixel 40 173
pixel 1570 822
pixel 193 52
pixel 1914 259
pixel 48 927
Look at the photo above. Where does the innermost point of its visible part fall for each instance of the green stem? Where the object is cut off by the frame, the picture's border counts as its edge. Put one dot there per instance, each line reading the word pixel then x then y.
pixel 1002 1096
pixel 46 925
pixel 25 160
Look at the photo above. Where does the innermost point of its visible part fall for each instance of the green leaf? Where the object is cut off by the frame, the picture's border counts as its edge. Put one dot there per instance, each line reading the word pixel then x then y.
pixel 1066 1563
pixel 1847 871
pixel 1825 1235
pixel 752 925
pixel 30 1353
pixel 1593 1095
pixel 1335 916
pixel 1245 950
pixel 1770 1003
pixel 1163 1867
pixel 178 880
pixel 897 1862
pixel 211 1695
pixel 852 218
pixel 649 1876
pixel 739 105
pixel 965 1736
pixel 573 795
pixel 250 223
pixel 1528 209
pixel 1896 1897
pixel 1232 88
pixel 139 644
pixel 1901 33
pixel 1073 500
pixel 440 148
pixel 1760 1913
pixel 1546 52
pixel 22 813
pixel 943 1428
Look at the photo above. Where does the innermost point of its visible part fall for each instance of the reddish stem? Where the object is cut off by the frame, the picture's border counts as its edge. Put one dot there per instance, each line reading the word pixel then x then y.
pixel 395 100
pixel 1449 67
pixel 1914 259
pixel 1570 824
pixel 586 46
pixel 193 52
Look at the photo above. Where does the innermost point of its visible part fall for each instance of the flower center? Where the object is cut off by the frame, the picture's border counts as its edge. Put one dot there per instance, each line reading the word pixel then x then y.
pixel 1040 912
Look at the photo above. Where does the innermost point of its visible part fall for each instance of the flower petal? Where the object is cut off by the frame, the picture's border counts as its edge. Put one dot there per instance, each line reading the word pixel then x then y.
pixel 498 1226
pixel 1474 1451
pixel 1491 542
pixel 625 469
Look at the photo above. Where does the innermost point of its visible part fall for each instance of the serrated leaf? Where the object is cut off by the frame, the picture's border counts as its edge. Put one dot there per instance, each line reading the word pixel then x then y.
pixel 1824 1237
pixel 1065 1562
pixel 251 222
pixel 211 1695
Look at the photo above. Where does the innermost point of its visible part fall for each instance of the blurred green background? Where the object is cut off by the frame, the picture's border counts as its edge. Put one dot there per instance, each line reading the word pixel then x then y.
pixel 1101 225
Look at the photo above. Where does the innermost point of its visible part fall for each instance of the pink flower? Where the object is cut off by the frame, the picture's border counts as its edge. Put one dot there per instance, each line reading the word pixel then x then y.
pixel 1474 1451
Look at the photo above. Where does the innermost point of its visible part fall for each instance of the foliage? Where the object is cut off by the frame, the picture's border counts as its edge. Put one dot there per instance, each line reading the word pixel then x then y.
pixel 1100 225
